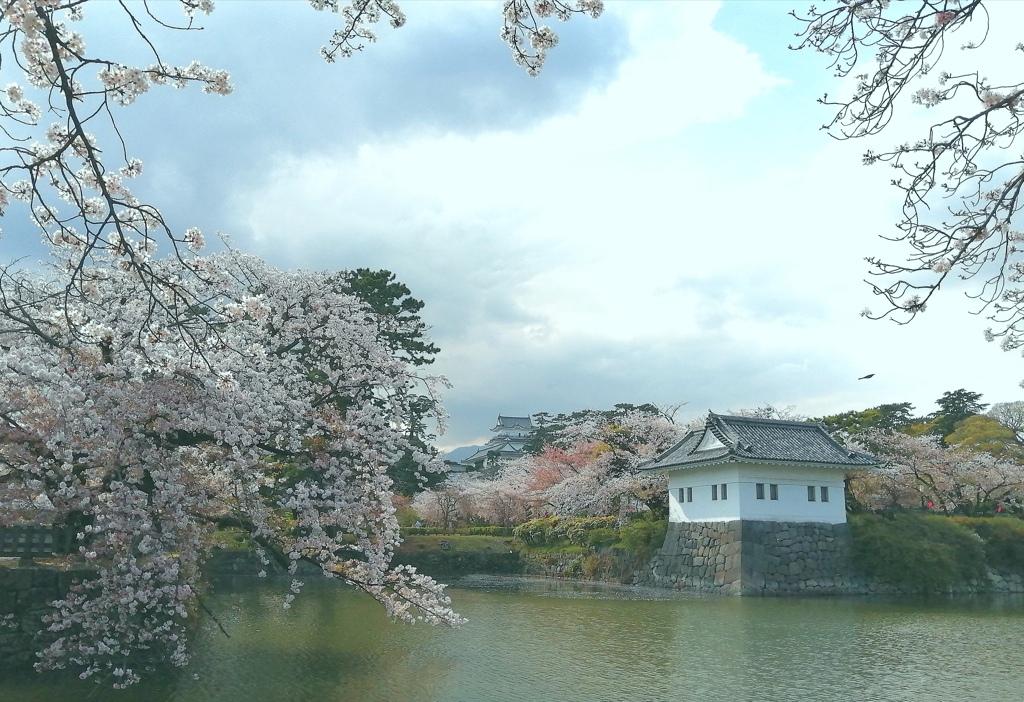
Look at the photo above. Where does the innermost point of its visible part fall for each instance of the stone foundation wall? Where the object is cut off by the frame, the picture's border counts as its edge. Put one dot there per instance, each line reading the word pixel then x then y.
pixel 810 558
pixel 775 558
pixel 754 558
pixel 25 596
pixel 1006 583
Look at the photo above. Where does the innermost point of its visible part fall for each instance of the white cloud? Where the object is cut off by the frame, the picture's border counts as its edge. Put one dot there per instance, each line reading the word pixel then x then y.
pixel 604 209
pixel 607 254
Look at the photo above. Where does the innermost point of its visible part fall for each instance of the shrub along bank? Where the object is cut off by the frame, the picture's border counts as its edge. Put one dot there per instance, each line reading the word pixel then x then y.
pixel 933 554
pixel 446 554
pixel 596 548
pixel 593 548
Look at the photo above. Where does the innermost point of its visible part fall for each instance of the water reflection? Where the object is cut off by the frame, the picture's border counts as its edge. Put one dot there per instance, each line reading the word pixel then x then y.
pixel 543 640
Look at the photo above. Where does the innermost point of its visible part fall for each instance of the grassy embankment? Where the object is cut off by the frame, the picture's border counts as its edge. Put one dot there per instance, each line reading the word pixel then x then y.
pixel 580 547
pixel 914 552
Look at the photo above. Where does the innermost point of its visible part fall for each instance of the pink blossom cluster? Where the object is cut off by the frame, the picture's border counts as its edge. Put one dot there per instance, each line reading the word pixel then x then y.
pixel 591 468
pixel 530 40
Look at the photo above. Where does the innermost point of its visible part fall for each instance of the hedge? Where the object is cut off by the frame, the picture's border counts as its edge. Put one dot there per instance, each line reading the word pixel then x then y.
pixel 917 553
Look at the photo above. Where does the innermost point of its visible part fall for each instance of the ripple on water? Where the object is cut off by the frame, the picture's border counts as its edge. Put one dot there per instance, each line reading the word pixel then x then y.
pixel 549 641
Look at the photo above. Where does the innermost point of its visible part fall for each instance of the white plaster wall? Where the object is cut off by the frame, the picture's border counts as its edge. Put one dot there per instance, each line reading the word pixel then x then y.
pixel 742 502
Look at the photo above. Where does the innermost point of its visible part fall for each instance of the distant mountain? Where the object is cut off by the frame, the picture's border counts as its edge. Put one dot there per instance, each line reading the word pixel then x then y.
pixel 462 452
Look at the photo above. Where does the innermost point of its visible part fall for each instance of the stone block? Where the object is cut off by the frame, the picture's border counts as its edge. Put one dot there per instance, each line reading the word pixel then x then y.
pixel 44 578
pixel 16 578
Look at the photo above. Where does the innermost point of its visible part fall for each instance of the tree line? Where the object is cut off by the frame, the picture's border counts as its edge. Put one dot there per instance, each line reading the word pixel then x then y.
pixel 958 459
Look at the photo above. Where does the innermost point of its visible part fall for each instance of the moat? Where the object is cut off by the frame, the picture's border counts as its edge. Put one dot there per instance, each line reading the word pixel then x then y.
pixel 550 640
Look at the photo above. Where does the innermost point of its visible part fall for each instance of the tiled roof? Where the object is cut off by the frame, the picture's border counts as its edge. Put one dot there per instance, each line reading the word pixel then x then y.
pixel 504 449
pixel 513 423
pixel 746 439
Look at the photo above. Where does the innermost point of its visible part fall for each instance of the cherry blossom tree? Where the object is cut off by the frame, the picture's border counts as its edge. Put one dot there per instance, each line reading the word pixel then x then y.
pixel 962 180
pixel 502 503
pixel 1011 416
pixel 446 505
pixel 921 472
pixel 588 465
pixel 148 395
pixel 770 411
pixel 275 406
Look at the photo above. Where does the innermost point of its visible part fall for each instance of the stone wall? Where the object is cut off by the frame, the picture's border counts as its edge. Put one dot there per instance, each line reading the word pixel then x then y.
pixel 1006 583
pixel 25 596
pixel 754 558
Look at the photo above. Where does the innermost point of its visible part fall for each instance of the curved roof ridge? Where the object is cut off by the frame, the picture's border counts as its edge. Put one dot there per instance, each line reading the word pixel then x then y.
pixel 721 430
pixel 765 420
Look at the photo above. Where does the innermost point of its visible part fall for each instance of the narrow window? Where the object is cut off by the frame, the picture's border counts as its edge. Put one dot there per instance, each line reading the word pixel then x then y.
pixel 824 494
pixel 714 492
pixel 682 495
pixel 689 494
pixel 810 493
pixel 725 491
pixel 773 491
pixel 759 489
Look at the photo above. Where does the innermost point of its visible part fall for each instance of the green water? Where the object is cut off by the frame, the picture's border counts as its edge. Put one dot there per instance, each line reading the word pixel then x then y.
pixel 544 641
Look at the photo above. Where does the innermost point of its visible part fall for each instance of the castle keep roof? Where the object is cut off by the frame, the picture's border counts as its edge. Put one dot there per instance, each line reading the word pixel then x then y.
pixel 512 423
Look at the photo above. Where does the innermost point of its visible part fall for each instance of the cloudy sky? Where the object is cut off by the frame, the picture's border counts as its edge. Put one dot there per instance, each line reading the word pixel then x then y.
pixel 656 218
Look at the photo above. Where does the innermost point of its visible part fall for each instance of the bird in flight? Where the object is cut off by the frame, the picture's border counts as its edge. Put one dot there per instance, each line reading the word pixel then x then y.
pixel 865 377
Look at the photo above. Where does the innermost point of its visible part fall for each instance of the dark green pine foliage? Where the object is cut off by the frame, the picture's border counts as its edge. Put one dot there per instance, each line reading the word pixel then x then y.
pixel 954 407
pixel 396 314
pixel 887 417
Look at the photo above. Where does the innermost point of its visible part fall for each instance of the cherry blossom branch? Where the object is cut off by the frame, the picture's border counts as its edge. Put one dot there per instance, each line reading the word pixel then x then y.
pixel 961 186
